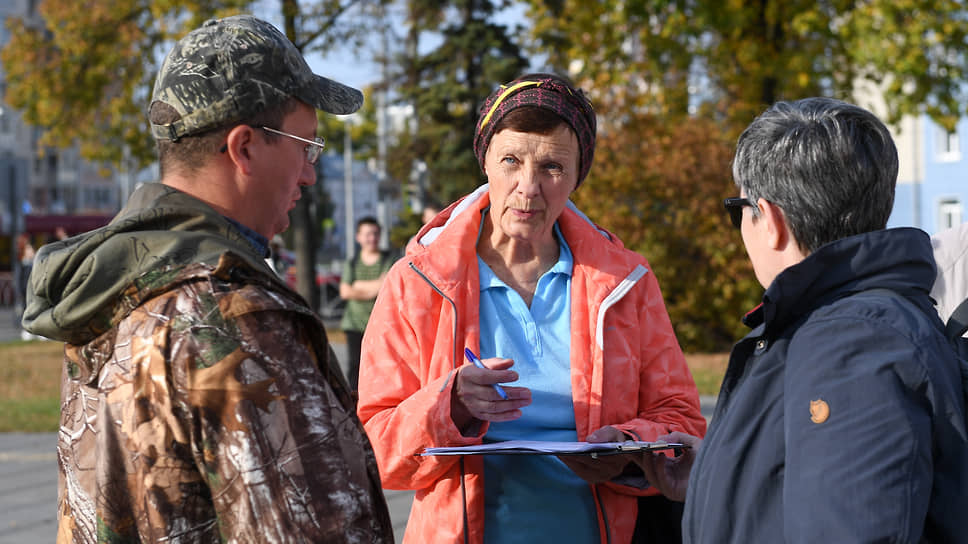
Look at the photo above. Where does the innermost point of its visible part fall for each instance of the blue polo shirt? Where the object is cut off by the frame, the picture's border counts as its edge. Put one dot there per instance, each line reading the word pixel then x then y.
pixel 534 498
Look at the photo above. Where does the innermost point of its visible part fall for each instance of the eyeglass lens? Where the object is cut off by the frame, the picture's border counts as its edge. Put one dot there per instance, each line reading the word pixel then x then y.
pixel 736 215
pixel 735 208
pixel 314 151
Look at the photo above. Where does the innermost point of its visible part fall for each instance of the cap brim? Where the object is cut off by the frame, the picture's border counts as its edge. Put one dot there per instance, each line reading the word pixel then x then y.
pixel 331 96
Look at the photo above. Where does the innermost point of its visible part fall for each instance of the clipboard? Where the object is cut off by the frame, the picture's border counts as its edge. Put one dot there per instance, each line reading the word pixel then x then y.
pixel 539 447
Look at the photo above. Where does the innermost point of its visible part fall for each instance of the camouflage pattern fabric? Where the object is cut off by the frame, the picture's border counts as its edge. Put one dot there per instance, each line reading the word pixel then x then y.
pixel 209 421
pixel 80 287
pixel 207 408
pixel 229 69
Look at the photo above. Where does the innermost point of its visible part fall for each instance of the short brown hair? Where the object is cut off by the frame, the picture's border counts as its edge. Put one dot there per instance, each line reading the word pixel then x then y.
pixel 189 153
pixel 530 119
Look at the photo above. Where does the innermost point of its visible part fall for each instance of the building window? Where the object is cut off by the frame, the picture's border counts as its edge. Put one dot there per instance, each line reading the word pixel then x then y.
pixel 949 213
pixel 948 147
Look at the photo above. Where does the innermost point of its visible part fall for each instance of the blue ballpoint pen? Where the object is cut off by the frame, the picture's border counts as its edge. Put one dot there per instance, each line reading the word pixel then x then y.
pixel 477 362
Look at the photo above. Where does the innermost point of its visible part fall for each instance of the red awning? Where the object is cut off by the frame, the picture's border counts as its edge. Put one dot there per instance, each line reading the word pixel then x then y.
pixel 73 224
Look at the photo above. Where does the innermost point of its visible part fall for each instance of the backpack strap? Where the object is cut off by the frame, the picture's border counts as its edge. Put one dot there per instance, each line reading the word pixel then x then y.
pixel 385 258
pixel 958 322
pixel 954 329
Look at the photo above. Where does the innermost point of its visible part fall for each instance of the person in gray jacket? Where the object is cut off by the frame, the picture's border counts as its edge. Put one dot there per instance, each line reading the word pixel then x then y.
pixel 841 416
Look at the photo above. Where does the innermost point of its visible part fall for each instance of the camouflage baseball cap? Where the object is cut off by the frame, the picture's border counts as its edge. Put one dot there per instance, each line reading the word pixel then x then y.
pixel 231 68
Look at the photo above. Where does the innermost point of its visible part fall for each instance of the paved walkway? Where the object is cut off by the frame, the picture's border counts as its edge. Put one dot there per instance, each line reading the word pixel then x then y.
pixel 9 324
pixel 28 474
pixel 28 495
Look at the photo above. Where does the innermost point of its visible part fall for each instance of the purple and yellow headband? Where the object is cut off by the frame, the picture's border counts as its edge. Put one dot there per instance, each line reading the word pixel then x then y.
pixel 547 92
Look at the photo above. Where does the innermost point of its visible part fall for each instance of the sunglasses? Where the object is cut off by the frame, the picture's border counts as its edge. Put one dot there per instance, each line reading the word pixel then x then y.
pixel 735 207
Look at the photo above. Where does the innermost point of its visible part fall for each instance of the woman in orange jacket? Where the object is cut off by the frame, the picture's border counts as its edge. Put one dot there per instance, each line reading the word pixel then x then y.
pixel 568 320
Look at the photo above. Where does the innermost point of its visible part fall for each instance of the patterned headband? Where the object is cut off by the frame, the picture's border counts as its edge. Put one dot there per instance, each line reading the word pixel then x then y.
pixel 549 93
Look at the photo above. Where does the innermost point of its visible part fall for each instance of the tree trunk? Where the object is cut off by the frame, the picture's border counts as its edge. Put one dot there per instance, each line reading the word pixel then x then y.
pixel 305 242
pixel 303 217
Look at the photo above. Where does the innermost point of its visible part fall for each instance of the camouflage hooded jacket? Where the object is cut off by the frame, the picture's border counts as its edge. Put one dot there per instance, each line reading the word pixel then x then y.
pixel 200 402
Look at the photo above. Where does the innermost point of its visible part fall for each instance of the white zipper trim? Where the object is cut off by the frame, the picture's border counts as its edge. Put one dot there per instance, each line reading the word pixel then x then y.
pixel 620 291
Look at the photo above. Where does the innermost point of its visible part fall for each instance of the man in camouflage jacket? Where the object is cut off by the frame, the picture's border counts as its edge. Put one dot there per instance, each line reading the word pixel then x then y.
pixel 200 399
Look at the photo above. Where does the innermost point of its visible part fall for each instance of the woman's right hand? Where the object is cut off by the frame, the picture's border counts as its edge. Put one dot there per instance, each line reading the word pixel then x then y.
pixel 474 399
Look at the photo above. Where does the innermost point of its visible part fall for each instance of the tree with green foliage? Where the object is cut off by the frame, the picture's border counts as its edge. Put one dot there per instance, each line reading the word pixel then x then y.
pixel 317 26
pixel 732 59
pixel 85 75
pixel 675 81
pixel 654 184
pixel 446 86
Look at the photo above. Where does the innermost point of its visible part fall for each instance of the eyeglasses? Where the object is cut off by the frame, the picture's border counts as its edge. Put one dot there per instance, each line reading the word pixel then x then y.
pixel 735 207
pixel 313 149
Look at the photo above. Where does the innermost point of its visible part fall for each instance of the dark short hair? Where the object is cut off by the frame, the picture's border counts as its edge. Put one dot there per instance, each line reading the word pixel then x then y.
pixel 367 220
pixel 430 202
pixel 829 165
pixel 189 153
pixel 530 119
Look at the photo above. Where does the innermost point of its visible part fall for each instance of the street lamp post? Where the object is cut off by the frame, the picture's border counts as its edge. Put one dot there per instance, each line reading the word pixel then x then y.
pixel 348 190
pixel 15 227
pixel 13 202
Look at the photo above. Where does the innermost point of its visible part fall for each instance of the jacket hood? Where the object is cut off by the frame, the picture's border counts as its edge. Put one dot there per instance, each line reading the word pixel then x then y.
pixel 897 259
pixel 81 286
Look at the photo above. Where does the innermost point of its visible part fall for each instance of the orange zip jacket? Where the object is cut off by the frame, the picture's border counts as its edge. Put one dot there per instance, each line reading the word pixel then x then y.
pixel 627 369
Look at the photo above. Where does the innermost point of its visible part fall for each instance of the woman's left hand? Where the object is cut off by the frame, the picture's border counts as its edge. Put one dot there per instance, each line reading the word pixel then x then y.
pixel 602 468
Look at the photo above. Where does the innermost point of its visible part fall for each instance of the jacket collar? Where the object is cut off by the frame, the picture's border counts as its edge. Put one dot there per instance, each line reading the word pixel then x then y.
pixel 445 249
pixel 898 259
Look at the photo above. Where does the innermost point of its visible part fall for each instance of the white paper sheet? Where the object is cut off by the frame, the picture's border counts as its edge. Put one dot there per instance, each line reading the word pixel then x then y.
pixel 537 447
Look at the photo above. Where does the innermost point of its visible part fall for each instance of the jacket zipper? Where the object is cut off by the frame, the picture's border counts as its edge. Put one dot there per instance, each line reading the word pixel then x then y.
pixel 463 488
pixel 614 296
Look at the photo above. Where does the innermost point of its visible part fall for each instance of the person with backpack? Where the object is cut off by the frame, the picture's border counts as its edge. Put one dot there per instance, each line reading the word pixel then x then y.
pixel 359 284
pixel 842 415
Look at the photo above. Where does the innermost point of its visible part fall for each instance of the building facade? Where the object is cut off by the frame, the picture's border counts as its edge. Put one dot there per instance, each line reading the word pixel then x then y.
pixel 932 181
pixel 933 196
pixel 354 196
